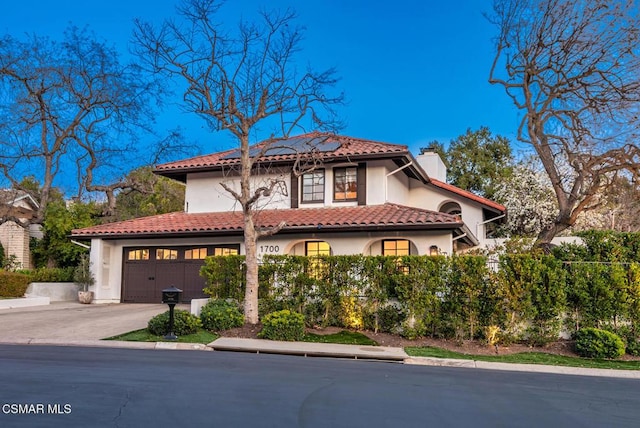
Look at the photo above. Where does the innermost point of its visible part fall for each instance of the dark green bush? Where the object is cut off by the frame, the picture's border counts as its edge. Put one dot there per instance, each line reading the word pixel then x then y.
pixel 50 274
pixel 183 323
pixel 596 343
pixel 633 347
pixel 386 319
pixel 218 315
pixel 282 325
pixel 630 338
pixel 13 284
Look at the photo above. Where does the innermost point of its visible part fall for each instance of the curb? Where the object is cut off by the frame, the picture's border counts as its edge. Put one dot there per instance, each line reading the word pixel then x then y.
pixel 530 368
pixel 110 344
pixel 307 349
pixel 421 361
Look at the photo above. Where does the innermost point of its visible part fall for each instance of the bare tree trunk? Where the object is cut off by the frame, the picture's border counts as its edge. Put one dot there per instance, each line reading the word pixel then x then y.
pixel 251 260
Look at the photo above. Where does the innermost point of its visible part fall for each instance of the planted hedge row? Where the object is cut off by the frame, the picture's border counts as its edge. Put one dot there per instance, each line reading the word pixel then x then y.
pixel 528 296
pixel 14 284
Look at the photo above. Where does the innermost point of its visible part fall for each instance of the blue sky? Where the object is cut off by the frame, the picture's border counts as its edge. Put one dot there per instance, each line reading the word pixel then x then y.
pixel 413 71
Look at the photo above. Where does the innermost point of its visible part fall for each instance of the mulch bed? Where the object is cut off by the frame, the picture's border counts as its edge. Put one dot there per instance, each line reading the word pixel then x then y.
pixel 471 347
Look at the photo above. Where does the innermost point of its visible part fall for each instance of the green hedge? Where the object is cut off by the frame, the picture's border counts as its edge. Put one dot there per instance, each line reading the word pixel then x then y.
pixel 50 274
pixel 526 295
pixel 13 284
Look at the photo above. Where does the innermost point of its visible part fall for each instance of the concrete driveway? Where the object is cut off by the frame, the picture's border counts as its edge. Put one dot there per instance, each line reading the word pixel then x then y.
pixel 74 321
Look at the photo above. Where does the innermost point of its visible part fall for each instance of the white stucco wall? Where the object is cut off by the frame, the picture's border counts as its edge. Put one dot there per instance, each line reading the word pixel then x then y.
pixel 432 198
pixel 204 192
pixel 386 183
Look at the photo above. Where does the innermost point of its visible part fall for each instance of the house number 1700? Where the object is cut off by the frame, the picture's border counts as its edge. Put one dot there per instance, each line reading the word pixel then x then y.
pixel 269 248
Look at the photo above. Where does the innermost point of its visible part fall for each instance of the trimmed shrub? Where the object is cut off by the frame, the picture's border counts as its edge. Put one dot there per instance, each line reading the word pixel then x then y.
pixel 13 284
pixel 596 343
pixel 218 315
pixel 282 325
pixel 50 274
pixel 183 323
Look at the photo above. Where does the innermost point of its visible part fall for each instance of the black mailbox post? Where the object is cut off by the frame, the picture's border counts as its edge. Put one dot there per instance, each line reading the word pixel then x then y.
pixel 171 296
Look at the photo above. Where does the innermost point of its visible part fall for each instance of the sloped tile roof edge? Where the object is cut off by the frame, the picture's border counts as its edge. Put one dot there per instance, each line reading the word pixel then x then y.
pixel 348 147
pixel 297 220
pixel 467 194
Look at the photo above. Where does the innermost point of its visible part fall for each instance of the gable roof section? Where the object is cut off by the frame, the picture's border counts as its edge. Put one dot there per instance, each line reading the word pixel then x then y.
pixel 329 147
pixel 13 197
pixel 466 194
pixel 375 217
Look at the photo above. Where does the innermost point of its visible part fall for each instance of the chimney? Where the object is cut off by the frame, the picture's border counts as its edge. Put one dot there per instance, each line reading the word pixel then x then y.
pixel 433 165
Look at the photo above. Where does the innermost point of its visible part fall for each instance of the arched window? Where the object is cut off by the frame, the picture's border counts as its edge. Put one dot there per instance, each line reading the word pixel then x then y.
pixel 452 208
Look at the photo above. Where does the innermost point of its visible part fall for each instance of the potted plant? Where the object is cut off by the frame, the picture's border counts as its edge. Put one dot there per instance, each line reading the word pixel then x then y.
pixel 84 278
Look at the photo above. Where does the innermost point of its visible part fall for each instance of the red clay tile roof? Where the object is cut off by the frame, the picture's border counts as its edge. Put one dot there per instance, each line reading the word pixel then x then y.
pixel 387 216
pixel 467 194
pixel 331 146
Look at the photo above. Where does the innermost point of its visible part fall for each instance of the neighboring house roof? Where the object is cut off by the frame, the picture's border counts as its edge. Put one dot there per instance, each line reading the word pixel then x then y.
pixel 326 147
pixel 466 194
pixel 17 203
pixel 375 217
pixel 12 197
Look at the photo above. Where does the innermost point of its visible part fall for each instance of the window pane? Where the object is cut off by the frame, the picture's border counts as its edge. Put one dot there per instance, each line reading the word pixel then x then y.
pixel 318 248
pixel 138 254
pixel 395 247
pixel 345 183
pixel 225 251
pixel 195 254
pixel 313 186
pixel 166 254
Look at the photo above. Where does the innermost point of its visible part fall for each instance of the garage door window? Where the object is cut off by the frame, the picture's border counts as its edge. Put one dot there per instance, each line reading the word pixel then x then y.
pixel 225 251
pixel 195 254
pixel 166 254
pixel 138 254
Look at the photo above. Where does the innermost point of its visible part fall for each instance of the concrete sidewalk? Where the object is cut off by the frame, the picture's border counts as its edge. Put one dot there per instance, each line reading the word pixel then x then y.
pixel 309 349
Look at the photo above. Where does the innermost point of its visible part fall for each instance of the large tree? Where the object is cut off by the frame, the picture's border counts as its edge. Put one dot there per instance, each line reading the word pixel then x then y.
pixel 572 68
pixel 240 82
pixel 148 195
pixel 477 161
pixel 71 114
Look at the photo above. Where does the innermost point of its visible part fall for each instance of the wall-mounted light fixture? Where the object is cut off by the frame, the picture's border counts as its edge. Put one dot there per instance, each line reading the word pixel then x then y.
pixel 434 250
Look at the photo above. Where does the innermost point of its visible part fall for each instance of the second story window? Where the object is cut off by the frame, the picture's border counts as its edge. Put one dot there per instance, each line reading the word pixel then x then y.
pixel 345 184
pixel 313 186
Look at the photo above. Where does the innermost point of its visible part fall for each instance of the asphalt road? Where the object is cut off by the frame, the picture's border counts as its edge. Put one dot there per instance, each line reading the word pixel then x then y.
pixel 96 387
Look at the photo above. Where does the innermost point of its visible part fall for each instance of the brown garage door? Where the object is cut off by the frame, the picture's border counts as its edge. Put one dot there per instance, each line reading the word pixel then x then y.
pixel 149 270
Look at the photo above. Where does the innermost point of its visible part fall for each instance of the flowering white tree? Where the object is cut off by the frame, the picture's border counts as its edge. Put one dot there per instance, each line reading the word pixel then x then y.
pixel 529 200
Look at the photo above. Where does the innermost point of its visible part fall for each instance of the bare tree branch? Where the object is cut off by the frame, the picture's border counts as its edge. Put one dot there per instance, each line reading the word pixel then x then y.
pixel 572 67
pixel 70 108
pixel 240 83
